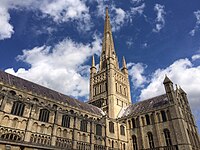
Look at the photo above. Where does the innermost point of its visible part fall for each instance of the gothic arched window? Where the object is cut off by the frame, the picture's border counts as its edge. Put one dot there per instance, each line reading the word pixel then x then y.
pixel 147 119
pixel 134 138
pixel 122 130
pixel 99 130
pixel 111 127
pixel 18 108
pixel 163 114
pixel 83 126
pixel 133 122
pixel 167 137
pixel 66 121
pixel 44 115
pixel 150 138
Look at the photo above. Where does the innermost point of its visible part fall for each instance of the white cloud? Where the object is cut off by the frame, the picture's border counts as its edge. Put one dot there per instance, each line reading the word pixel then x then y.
pixel 6 30
pixel 181 72
pixel 136 1
pixel 160 19
pixel 138 10
pixel 136 72
pixel 58 10
pixel 119 18
pixel 118 15
pixel 195 57
pixel 61 67
pixel 197 26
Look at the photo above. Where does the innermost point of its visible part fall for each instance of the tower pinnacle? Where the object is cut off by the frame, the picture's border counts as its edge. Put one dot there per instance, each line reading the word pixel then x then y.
pixel 124 63
pixel 93 61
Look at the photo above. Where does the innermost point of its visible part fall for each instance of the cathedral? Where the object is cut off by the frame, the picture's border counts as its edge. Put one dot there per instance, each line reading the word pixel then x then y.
pixel 33 117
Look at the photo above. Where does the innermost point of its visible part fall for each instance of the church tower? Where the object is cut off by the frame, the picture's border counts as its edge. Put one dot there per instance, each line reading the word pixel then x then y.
pixel 109 86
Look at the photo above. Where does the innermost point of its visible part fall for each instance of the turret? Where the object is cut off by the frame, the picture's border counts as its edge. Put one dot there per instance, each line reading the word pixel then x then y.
pixel 93 67
pixel 169 88
pixel 184 95
pixel 93 70
pixel 124 67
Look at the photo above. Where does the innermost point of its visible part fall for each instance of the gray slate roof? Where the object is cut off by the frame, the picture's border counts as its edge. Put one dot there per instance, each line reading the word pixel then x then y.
pixel 144 106
pixel 39 90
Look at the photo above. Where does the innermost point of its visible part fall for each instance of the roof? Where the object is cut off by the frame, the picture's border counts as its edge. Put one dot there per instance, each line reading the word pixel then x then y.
pixel 144 106
pixel 39 90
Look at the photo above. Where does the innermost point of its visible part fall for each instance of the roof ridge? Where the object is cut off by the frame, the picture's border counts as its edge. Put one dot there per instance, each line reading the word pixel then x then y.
pixel 149 98
pixel 50 94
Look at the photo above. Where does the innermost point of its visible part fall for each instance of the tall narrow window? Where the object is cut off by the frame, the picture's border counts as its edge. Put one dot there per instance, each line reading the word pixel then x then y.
pixel 125 91
pixel 124 146
pixel 106 87
pixel 66 121
pixel 116 87
pixel 120 89
pixel 163 114
pixel 133 123
pixel 95 90
pixel 147 119
pixel 137 122
pixel 111 127
pixel 150 138
pixel 167 137
pixel 152 119
pixel 83 126
pixel 99 130
pixel 134 138
pixel 44 115
pixel 100 88
pixel 122 130
pixel 18 108
pixel 112 144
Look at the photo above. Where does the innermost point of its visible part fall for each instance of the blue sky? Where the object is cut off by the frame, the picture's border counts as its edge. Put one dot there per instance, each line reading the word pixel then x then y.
pixel 51 42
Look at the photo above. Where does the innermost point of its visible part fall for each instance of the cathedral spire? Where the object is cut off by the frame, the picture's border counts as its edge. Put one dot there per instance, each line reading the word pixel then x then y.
pixel 108 44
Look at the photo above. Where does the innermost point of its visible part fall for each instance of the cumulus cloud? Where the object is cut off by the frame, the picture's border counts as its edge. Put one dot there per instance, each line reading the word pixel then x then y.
pixel 61 67
pixel 181 72
pixel 197 26
pixel 59 10
pixel 136 72
pixel 160 19
pixel 6 30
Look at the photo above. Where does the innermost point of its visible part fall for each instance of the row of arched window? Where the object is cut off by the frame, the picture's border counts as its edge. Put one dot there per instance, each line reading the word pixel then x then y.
pixel 121 89
pixel 112 146
pixel 147 120
pixel 65 143
pixel 18 109
pixel 39 139
pixel 98 89
pixel 111 128
pixel 99 147
pixel 11 136
pixel 83 146
pixel 151 140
